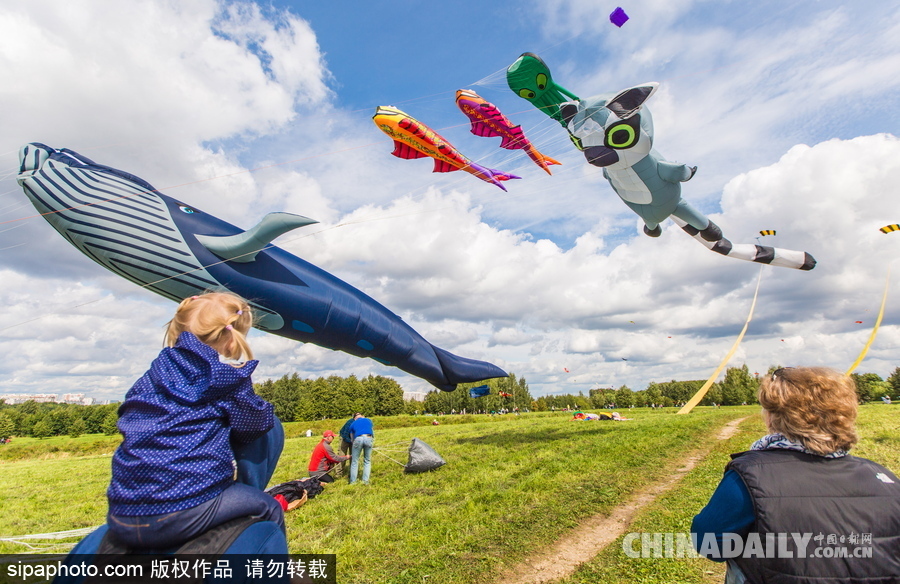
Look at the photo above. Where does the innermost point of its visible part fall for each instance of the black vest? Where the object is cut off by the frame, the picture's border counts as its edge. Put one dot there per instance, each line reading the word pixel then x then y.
pixel 847 497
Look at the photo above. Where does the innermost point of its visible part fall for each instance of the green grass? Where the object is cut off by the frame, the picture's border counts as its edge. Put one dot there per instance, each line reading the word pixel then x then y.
pixel 57 447
pixel 512 485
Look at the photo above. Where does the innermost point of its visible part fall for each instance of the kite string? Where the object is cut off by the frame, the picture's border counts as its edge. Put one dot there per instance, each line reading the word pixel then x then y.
pixel 388 457
pixel 865 349
pixel 686 409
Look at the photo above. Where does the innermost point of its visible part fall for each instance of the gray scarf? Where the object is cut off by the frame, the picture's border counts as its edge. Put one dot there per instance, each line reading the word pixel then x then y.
pixel 780 442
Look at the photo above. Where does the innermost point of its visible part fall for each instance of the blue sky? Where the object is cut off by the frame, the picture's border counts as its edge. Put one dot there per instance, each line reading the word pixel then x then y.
pixel 789 110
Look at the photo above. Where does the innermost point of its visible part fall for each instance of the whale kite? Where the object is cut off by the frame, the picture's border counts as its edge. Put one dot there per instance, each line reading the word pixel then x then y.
pixel 124 224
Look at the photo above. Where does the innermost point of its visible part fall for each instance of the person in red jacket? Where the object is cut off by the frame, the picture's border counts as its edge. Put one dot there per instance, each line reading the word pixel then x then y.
pixel 324 459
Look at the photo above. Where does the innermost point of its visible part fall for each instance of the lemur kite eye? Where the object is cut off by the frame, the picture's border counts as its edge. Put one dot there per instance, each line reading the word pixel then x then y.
pixel 620 136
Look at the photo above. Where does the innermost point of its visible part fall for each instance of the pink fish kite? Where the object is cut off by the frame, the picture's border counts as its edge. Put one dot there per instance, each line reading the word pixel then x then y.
pixel 487 121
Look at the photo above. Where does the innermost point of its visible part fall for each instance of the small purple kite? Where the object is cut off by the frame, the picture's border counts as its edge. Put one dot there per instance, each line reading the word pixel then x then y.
pixel 618 17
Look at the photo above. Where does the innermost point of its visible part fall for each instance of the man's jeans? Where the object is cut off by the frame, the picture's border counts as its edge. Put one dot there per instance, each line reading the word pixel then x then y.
pixel 364 444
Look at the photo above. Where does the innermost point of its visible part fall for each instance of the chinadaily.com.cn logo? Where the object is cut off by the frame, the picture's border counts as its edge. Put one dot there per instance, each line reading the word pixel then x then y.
pixel 754 545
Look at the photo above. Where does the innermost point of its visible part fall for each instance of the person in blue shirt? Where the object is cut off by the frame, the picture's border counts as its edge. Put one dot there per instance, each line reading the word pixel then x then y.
pixel 199 446
pixel 346 444
pixel 362 436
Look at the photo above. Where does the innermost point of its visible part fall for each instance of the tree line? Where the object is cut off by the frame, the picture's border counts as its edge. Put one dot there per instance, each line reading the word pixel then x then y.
pixel 507 394
pixel 297 399
pixel 42 420
pixel 737 388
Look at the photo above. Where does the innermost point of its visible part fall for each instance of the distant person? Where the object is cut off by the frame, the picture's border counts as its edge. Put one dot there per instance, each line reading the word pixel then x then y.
pixel 346 444
pixel 323 458
pixel 799 483
pixel 361 431
pixel 184 422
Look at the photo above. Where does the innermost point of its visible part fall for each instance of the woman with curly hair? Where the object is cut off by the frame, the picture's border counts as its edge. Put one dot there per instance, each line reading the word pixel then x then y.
pixel 797 507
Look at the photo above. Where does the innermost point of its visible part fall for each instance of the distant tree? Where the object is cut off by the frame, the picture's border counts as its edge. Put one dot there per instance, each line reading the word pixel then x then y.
pixel 411 406
pixel 602 397
pixel 520 389
pixel 738 386
pixel 894 382
pixel 624 397
pixel 652 395
pixel 29 407
pixel 26 424
pixel 110 422
pixel 77 428
pixel 540 405
pixel 42 429
pixel 353 395
pixel 387 394
pixel 15 416
pixel 313 394
pixel 348 393
pixel 58 419
pixel 869 386
pixel 680 391
pixel 713 395
pixel 7 426
pixel 582 402
pixel 283 394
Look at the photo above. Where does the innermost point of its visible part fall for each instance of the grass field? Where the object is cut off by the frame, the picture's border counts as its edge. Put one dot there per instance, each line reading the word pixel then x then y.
pixel 512 486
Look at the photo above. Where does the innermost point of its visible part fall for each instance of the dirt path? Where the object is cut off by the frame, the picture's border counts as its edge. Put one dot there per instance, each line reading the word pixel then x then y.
pixel 589 538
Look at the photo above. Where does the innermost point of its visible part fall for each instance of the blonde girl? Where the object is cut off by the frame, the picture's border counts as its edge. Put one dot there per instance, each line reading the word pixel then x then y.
pixel 186 424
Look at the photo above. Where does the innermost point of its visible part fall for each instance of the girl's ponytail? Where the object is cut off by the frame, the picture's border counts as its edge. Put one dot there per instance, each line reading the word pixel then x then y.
pixel 219 319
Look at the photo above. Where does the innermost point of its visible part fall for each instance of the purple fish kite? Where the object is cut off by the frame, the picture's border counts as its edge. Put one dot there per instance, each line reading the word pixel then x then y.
pixel 487 121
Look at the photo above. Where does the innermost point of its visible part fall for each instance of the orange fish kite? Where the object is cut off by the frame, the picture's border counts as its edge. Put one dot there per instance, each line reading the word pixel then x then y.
pixel 413 139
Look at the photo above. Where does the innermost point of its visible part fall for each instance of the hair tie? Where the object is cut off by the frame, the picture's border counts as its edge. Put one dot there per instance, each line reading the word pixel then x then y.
pixel 228 327
pixel 240 312
pixel 194 297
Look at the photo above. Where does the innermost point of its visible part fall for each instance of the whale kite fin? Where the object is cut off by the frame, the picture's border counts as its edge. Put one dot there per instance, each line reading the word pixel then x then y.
pixel 243 247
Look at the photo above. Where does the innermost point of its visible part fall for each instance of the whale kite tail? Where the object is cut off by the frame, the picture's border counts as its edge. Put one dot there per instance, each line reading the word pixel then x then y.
pixel 462 370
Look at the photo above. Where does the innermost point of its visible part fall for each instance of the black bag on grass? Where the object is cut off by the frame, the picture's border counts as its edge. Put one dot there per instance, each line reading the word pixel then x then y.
pixel 422 457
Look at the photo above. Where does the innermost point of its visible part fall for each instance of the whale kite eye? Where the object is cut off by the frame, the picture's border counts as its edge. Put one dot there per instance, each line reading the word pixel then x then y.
pixel 186 209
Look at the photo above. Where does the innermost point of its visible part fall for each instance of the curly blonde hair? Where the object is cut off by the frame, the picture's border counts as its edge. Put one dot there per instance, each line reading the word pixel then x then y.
pixel 219 319
pixel 814 406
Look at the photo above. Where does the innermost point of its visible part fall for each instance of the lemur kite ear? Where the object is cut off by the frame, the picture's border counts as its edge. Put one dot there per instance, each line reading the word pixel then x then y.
pixel 629 101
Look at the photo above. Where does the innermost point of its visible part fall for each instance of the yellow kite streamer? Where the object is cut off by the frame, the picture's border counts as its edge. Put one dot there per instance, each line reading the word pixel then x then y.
pixel 865 350
pixel 702 391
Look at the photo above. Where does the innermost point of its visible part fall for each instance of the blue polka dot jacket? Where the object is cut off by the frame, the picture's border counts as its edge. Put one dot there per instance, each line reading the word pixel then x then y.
pixel 178 422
